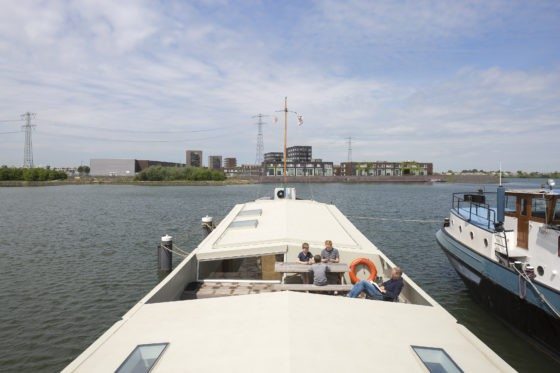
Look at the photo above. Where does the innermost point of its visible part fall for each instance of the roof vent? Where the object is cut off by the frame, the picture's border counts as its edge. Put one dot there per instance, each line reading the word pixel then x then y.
pixel 285 193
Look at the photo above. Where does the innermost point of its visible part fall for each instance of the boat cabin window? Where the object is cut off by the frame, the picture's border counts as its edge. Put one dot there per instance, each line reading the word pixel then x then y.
pixel 142 358
pixel 249 268
pixel 510 203
pixel 436 359
pixel 539 208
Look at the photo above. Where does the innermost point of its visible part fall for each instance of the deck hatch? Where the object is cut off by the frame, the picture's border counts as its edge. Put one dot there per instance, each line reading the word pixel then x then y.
pixel 142 358
pixel 254 212
pixel 244 224
pixel 436 360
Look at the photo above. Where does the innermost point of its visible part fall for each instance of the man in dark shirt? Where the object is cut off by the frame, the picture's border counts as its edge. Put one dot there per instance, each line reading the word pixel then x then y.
pixel 389 290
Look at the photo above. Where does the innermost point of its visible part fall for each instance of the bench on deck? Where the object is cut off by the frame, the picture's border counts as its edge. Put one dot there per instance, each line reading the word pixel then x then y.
pixel 311 287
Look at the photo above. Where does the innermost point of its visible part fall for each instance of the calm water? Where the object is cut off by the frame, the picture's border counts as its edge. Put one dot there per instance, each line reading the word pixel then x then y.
pixel 73 259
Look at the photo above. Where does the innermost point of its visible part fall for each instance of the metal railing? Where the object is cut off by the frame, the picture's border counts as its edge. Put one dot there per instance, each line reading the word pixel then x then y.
pixel 481 210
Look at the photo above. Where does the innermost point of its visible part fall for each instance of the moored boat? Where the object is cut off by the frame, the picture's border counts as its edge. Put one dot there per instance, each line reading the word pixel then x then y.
pixel 236 303
pixel 506 248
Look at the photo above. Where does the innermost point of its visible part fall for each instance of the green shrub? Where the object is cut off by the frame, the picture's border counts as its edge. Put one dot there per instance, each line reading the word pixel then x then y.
pixel 159 173
pixel 30 174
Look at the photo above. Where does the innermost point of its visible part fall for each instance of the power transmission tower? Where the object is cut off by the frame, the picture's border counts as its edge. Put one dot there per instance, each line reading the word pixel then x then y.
pixel 349 149
pixel 260 142
pixel 28 152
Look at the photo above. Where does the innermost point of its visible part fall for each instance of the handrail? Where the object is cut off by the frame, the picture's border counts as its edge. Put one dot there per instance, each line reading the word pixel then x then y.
pixel 490 215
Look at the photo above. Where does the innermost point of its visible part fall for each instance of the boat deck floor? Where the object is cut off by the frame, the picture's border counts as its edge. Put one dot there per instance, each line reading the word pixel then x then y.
pixel 199 290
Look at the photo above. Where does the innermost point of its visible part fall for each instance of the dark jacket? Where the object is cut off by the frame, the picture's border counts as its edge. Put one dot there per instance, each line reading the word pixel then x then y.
pixel 392 289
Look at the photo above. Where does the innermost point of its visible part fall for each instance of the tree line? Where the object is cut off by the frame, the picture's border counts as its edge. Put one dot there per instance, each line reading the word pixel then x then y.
pixel 159 173
pixel 30 174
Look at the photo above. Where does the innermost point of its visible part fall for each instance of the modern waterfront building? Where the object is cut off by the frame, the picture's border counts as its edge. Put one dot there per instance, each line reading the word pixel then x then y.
pixel 244 170
pixel 194 158
pixel 383 168
pixel 215 162
pixel 230 162
pixel 124 167
pixel 299 153
pixel 273 157
pixel 300 169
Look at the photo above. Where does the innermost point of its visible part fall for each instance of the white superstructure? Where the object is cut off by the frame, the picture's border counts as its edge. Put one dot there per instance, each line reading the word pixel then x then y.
pixel 193 322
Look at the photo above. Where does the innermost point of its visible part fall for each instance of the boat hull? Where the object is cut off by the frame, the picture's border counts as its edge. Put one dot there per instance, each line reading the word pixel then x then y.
pixel 491 285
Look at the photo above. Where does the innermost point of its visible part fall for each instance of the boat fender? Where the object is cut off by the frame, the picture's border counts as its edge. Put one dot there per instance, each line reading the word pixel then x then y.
pixel 362 261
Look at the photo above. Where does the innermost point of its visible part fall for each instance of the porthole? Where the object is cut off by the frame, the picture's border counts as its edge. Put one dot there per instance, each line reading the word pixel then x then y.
pixel 452 222
pixel 540 270
pixel 485 242
pixel 472 236
pixel 460 229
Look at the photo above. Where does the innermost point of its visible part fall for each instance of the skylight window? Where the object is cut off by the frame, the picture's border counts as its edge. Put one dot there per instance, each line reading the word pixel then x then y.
pixel 436 360
pixel 255 212
pixel 244 224
pixel 143 358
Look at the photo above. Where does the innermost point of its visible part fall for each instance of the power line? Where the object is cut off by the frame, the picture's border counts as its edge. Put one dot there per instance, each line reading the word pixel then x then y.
pixel 28 150
pixel 5 133
pixel 10 120
pixel 80 126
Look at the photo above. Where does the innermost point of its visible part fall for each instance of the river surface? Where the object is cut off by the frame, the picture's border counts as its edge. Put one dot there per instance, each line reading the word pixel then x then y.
pixel 73 259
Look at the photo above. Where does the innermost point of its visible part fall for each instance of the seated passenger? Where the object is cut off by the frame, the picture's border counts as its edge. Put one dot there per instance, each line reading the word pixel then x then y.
pixel 319 271
pixel 329 253
pixel 305 256
pixel 389 290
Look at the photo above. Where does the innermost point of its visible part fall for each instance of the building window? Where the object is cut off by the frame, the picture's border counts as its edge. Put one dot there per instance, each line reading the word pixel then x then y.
pixel 142 358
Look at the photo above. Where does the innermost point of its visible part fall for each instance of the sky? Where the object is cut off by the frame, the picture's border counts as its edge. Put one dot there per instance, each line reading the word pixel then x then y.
pixel 462 84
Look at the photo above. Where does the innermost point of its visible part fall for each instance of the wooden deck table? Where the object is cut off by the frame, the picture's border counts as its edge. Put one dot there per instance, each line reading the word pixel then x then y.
pixel 287 267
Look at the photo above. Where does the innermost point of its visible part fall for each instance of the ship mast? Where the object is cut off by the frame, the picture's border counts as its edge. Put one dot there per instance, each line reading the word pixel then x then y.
pixel 285 137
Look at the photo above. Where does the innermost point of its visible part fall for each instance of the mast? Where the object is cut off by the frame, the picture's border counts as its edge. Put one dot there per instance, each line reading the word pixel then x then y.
pixel 285 136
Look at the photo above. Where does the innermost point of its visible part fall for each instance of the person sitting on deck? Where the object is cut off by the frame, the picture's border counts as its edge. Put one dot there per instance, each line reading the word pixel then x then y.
pixel 389 290
pixel 305 256
pixel 319 271
pixel 329 253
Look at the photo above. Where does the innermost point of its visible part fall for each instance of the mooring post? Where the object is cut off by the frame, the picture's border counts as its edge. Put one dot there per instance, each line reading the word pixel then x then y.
pixel 165 255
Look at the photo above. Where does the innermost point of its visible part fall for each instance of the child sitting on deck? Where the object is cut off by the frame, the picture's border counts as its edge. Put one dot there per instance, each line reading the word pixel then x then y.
pixel 319 271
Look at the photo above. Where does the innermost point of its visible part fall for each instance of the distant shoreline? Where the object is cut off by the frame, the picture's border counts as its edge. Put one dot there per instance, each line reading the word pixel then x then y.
pixel 468 179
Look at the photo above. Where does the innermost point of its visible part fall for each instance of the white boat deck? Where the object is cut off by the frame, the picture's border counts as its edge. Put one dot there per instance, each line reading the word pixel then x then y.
pixel 263 329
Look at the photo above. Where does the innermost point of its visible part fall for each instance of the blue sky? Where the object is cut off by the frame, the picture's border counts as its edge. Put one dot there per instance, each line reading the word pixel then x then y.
pixel 461 84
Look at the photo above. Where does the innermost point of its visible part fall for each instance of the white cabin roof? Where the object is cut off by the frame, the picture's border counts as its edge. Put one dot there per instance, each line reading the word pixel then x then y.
pixel 288 332
pixel 268 226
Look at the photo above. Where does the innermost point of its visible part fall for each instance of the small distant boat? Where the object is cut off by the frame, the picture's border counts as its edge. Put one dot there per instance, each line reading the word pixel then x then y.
pixel 508 255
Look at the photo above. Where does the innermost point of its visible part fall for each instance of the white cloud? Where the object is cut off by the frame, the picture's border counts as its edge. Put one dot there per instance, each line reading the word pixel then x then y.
pixel 134 67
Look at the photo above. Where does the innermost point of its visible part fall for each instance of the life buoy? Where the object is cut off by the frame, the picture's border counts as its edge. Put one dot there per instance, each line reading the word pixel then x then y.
pixel 362 261
pixel 280 194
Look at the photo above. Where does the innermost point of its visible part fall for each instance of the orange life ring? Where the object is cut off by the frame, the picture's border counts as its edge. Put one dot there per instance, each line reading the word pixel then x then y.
pixel 363 261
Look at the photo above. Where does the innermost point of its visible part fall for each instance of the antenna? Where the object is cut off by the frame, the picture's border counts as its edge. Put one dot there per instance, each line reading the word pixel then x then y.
pixel 500 173
pixel 260 143
pixel 349 138
pixel 28 151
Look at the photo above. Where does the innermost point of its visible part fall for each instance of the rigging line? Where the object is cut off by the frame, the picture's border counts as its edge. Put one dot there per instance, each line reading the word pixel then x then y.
pixel 391 219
